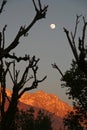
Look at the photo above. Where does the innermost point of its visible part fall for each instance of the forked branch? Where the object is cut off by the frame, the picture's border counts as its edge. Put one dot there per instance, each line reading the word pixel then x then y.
pixel 18 86
pixel 33 86
pixel 40 13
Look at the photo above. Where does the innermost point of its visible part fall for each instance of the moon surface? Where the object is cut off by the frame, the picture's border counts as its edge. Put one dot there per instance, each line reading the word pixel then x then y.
pixel 52 26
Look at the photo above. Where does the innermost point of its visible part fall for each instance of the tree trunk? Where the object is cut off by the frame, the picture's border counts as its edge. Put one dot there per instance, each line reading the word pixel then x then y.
pixel 8 120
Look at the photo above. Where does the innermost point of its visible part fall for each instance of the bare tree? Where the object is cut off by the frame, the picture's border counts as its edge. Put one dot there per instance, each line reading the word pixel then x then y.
pixel 81 56
pixel 79 50
pixel 18 89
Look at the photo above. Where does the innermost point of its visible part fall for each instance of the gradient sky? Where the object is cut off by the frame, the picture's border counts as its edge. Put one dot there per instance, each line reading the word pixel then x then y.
pixel 47 44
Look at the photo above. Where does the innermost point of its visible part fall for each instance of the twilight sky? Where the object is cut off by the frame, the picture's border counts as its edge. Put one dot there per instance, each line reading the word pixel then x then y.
pixel 47 44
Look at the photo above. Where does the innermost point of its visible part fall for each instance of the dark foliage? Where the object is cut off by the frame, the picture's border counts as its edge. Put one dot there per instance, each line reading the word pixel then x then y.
pixel 74 78
pixel 31 120
pixel 71 121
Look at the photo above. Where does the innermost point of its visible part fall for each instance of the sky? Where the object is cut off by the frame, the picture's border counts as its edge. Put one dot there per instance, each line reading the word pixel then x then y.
pixel 50 45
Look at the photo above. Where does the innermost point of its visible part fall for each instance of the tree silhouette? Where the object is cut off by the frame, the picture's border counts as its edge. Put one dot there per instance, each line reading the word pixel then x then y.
pixel 75 79
pixel 43 121
pixel 26 119
pixel 6 67
pixel 30 120
pixel 71 122
pixel 76 83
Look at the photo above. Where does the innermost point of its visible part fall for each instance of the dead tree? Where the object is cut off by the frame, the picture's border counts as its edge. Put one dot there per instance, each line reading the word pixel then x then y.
pixel 18 89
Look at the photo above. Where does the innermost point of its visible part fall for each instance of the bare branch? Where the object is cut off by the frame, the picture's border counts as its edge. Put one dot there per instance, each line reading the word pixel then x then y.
pixel 84 20
pixel 8 65
pixel 33 65
pixel 18 59
pixel 39 4
pixel 35 6
pixel 79 57
pixel 14 71
pixel 24 77
pixel 2 6
pixel 0 41
pixel 56 67
pixel 42 79
pixel 71 44
pixel 22 85
pixel 73 35
pixel 17 73
pixel 23 30
pixel 74 45
pixel 3 32
pixel 83 34
pixel 11 76
pixel 31 77
pixel 25 90
pixel 33 86
pixel 77 22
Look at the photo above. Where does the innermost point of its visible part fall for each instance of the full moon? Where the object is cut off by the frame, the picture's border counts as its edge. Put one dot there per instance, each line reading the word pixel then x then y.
pixel 52 26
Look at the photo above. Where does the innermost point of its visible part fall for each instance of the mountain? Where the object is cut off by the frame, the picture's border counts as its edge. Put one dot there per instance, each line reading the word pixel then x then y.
pixel 48 102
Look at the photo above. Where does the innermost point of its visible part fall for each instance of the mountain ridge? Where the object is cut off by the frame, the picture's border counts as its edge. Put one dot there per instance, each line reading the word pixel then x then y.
pixel 50 103
pixel 41 99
